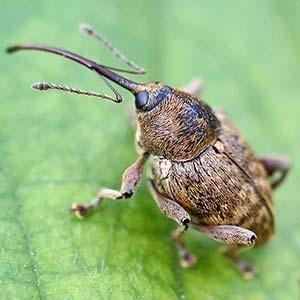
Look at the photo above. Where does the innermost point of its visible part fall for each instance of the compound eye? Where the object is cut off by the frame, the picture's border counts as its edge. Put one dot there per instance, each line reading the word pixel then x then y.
pixel 141 99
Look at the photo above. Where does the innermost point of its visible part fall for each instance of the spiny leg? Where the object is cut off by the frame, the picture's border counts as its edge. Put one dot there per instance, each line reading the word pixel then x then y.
pixel 130 181
pixel 194 87
pixel 239 239
pixel 275 164
pixel 174 211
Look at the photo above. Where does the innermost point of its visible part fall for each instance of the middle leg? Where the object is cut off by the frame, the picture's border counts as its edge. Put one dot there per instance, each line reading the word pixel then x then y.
pixel 174 211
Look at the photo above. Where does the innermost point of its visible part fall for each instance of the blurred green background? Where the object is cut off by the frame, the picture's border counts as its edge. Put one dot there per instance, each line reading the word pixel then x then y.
pixel 56 149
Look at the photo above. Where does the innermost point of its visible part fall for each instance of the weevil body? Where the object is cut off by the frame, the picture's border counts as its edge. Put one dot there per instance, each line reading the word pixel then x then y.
pixel 204 175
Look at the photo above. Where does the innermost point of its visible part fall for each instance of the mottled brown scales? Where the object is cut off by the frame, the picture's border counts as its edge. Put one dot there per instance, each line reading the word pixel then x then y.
pixel 203 176
pixel 220 187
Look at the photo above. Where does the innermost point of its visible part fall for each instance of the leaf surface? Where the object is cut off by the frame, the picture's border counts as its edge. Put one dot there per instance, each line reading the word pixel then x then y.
pixel 56 149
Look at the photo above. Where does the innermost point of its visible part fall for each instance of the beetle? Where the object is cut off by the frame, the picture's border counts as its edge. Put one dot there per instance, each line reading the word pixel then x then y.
pixel 204 175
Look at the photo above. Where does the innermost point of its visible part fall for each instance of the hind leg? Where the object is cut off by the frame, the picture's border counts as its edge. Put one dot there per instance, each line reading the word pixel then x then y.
pixel 273 165
pixel 175 212
pixel 238 238
pixel 232 253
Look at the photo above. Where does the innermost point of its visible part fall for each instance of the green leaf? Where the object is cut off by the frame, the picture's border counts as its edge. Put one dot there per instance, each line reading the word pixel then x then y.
pixel 56 149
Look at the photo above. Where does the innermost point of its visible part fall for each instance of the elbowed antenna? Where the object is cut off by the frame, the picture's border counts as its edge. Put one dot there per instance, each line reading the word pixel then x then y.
pixel 100 69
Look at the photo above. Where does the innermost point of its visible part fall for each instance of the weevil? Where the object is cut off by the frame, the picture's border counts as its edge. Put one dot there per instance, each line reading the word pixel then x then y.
pixel 203 175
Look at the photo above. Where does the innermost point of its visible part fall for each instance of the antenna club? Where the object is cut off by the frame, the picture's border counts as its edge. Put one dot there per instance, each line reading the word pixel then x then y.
pixel 12 48
pixel 86 28
pixel 42 86
pixel 118 99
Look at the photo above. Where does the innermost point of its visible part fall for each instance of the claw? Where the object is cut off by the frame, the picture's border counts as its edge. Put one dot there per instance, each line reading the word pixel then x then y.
pixel 79 210
pixel 188 260
pixel 126 195
pixel 185 222
pixel 247 270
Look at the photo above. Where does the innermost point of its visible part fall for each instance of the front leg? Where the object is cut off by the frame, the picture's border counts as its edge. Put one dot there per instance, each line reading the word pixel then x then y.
pixel 130 181
pixel 175 212
pixel 238 238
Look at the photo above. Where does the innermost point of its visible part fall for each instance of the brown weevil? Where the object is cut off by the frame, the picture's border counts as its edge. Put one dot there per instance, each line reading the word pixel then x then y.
pixel 204 175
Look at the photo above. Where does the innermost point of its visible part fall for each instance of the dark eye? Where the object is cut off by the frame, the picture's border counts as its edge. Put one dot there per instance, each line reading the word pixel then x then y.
pixel 141 99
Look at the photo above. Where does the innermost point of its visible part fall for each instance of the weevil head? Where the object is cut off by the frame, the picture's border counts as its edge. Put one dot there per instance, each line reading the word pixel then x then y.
pixel 172 123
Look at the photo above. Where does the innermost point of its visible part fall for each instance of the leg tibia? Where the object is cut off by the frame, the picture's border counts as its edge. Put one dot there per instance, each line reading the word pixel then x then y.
pixel 169 207
pixel 132 176
pixel 229 234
